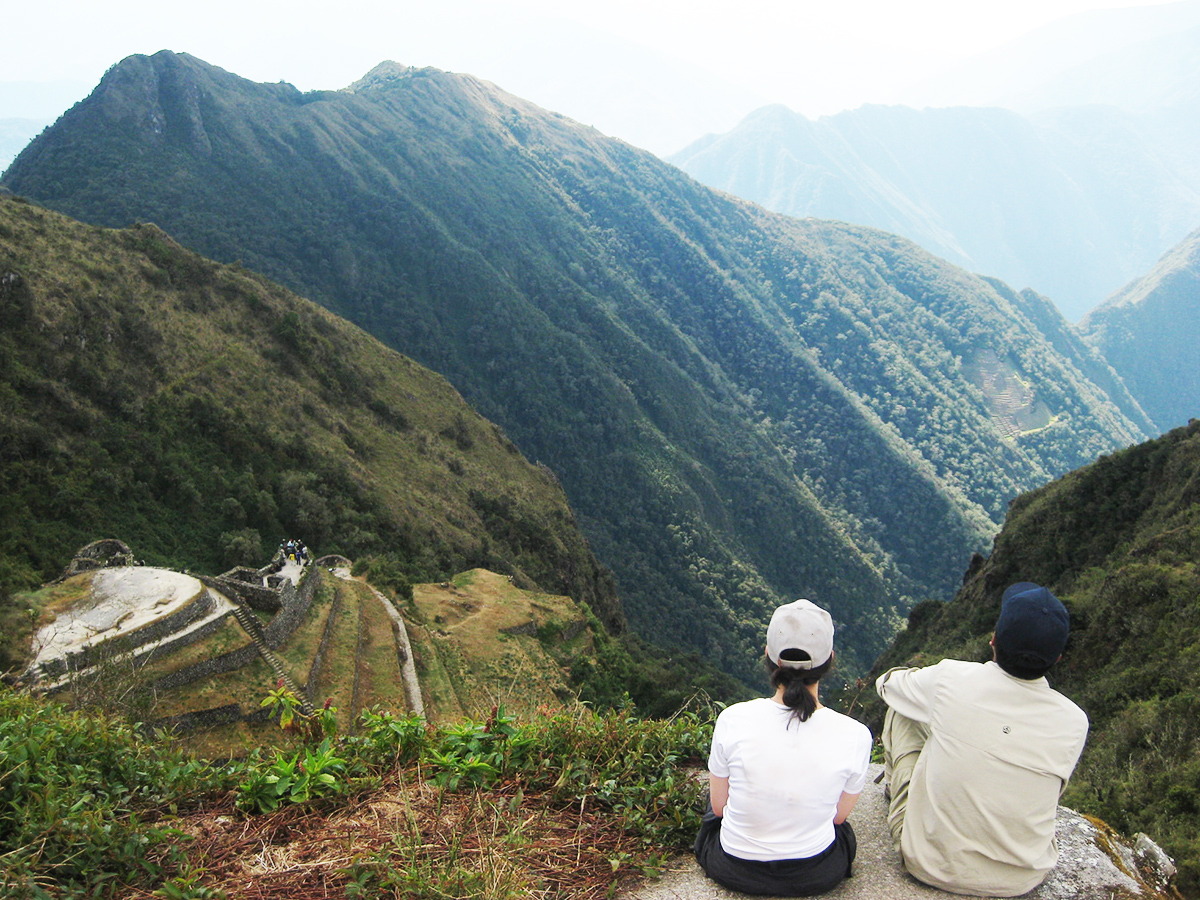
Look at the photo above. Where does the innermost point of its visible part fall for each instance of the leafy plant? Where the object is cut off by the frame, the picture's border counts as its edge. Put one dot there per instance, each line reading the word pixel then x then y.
pixel 186 886
pixel 389 740
pixel 313 773
pixel 283 702
pixel 474 754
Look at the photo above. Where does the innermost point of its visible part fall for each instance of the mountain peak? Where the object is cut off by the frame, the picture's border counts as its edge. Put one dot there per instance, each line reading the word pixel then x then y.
pixel 383 76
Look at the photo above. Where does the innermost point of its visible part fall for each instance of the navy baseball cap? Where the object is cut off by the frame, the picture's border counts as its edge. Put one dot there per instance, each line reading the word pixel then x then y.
pixel 1033 626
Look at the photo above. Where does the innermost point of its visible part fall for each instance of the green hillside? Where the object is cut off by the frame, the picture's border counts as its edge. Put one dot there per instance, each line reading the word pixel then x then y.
pixel 743 408
pixel 1150 332
pixel 1118 541
pixel 202 413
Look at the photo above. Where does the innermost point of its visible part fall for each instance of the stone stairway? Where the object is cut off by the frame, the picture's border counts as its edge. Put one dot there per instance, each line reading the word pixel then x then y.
pixel 252 627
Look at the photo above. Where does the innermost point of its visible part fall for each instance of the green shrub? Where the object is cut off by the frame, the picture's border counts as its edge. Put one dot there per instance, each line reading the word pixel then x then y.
pixel 386 573
pixel 79 796
pixel 635 767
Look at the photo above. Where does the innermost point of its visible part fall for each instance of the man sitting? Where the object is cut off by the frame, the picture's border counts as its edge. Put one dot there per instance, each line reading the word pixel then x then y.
pixel 978 754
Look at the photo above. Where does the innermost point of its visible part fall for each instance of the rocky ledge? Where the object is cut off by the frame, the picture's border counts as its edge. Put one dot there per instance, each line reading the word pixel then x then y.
pixel 1094 862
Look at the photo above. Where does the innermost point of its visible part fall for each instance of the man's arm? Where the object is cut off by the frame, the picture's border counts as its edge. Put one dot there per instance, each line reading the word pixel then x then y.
pixel 909 691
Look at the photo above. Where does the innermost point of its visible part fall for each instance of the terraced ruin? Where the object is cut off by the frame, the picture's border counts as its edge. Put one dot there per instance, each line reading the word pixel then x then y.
pixel 197 654
pixel 1015 407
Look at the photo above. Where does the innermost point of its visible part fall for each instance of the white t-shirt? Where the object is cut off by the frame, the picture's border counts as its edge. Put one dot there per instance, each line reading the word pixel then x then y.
pixel 785 777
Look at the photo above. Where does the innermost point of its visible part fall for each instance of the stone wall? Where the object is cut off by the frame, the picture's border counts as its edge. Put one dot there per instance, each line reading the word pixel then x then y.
pixel 296 601
pixel 98 555
pixel 210 718
pixel 217 665
pixel 197 608
pixel 166 648
pixel 295 604
pixel 244 574
pixel 256 596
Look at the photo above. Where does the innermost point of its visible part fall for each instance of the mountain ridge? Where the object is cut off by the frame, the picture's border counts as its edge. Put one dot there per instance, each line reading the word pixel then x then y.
pixel 1072 203
pixel 144 379
pixel 718 388
pixel 1150 331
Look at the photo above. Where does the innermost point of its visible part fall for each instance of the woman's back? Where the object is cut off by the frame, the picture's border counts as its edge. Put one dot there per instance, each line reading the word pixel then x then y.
pixel 785 776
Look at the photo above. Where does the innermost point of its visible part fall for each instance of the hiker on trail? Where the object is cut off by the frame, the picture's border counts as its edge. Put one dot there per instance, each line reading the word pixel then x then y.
pixel 977 754
pixel 785 772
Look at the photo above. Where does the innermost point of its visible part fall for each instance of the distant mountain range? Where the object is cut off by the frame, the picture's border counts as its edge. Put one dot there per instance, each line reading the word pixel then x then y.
pixel 742 407
pixel 1072 203
pixel 1063 161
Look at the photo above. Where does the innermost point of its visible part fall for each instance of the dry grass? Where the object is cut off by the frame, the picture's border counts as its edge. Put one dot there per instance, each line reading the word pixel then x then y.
pixel 490 844
pixel 336 680
pixel 380 682
pixel 54 599
pixel 464 634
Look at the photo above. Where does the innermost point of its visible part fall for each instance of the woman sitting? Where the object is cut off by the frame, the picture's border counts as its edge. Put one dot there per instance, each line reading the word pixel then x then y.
pixel 784 773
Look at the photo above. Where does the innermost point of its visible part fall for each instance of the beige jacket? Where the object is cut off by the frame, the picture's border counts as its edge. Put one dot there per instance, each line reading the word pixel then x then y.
pixel 985 789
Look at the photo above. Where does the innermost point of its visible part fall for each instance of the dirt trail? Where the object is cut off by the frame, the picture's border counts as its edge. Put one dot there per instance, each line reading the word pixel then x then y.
pixel 408 668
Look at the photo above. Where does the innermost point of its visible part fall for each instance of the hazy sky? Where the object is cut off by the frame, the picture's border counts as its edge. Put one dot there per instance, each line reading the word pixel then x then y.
pixel 617 64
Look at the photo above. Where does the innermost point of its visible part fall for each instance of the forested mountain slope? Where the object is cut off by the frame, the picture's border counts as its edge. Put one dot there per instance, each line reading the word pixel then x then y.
pixel 203 414
pixel 1150 332
pixel 1072 203
pixel 743 408
pixel 14 135
pixel 1118 542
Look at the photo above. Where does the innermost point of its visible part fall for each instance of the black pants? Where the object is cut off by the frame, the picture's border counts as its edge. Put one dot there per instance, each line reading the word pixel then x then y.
pixel 782 877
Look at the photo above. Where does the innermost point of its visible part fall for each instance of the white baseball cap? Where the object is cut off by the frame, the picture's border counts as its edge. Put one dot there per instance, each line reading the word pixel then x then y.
pixel 801 625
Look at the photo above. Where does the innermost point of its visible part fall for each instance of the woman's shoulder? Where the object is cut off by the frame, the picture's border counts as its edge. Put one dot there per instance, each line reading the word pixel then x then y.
pixel 832 719
pixel 760 706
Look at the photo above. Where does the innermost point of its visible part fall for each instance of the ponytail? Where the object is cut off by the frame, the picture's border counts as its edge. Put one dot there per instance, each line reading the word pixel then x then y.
pixel 796 683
